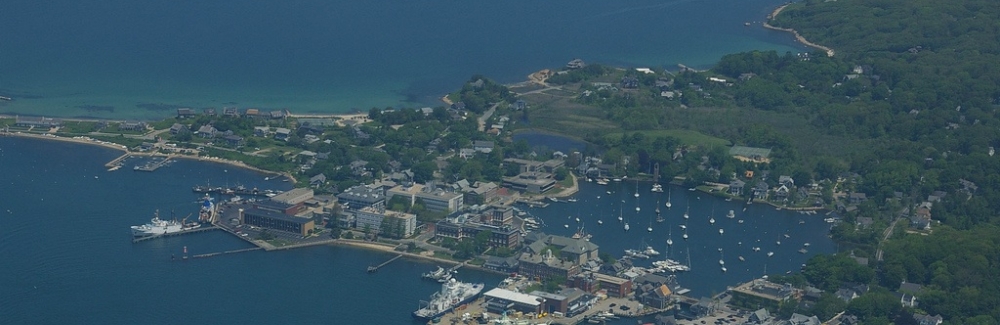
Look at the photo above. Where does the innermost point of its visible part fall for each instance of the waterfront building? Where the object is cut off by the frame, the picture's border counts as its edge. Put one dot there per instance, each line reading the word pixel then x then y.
pixel 178 128
pixel 32 121
pixel 548 166
pixel 362 196
pixel 501 264
pixel 546 265
pixel 655 290
pixel 294 196
pixel 576 251
pixel 465 226
pixel 478 192
pixel 533 182
pixel 761 293
pixel 433 199
pixel 569 301
pixel 276 221
pixel 401 224
pixel 278 207
pixel 615 286
pixel 500 301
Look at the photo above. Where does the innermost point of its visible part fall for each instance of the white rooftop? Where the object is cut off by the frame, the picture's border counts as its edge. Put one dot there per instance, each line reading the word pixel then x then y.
pixel 513 296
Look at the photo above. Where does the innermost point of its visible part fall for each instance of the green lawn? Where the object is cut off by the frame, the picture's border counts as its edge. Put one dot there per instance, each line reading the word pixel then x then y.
pixel 688 137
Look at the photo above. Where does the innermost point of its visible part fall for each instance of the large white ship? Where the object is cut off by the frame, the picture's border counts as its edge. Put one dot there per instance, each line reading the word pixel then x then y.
pixel 157 226
pixel 452 294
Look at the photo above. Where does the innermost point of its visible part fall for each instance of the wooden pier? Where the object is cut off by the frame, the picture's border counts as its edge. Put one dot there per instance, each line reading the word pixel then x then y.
pixel 189 231
pixel 374 268
pixel 117 161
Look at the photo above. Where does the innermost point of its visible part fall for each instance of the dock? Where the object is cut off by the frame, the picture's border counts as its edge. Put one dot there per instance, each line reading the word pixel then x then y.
pixel 228 252
pixel 117 161
pixel 182 232
pixel 153 166
pixel 374 268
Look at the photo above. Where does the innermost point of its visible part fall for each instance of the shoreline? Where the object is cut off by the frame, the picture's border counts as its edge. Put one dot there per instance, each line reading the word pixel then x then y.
pixel 359 244
pixel 798 37
pixel 234 163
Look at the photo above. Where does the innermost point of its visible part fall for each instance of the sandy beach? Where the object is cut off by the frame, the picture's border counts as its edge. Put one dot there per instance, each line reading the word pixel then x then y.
pixel 798 37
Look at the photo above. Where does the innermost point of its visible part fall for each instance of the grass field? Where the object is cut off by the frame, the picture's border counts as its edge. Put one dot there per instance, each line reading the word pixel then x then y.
pixel 687 137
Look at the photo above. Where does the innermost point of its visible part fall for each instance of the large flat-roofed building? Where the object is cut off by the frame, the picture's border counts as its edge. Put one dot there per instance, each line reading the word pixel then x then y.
pixel 534 182
pixel 499 301
pixel 33 121
pixel 569 301
pixel 546 266
pixel 294 196
pixel 615 286
pixel 762 293
pixel 576 251
pixel 464 226
pixel 362 196
pixel 276 221
pixel 401 224
pixel 434 200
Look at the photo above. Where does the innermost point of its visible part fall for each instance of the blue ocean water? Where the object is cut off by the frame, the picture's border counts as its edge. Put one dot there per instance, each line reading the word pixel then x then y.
pixel 127 59
pixel 69 259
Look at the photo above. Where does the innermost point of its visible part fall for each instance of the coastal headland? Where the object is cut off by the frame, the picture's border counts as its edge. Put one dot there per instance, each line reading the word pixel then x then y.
pixel 798 37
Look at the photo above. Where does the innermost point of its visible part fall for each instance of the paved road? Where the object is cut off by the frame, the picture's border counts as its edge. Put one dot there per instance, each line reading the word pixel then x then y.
pixel 885 237
pixel 486 116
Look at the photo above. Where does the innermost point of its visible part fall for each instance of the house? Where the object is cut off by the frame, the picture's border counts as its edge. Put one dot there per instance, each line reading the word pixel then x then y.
pixel 759 317
pixel 799 319
pixel 928 319
pixel 317 180
pixel 865 222
pixel 846 294
pixel 858 198
pixel 252 112
pixel 132 126
pixel 234 140
pixel 458 106
pixel 760 191
pixel 178 128
pixel 907 300
pixel 207 131
pixel 210 111
pixel 185 113
pixel 482 146
pixel 282 134
pixel 786 181
pixel 311 129
pixel 277 115
pixel 358 167
pixel 466 153
pixel 736 187
pixel 575 64
pixel 781 194
pixel 230 111
pixel 519 105
pixel 261 131
pixel 910 288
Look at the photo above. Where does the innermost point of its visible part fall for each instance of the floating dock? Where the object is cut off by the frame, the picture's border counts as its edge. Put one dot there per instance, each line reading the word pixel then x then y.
pixel 117 161
pixel 153 166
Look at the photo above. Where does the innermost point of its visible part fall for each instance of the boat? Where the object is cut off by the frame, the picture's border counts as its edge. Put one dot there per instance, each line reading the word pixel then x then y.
pixel 686 215
pixel 731 214
pixel 650 251
pixel 711 220
pixel 157 226
pixel 740 221
pixel 452 294
pixel 668 205
pixel 636 189
pixel 600 222
pixel 683 226
pixel 571 200
pixel 803 251
pixel 806 244
pixel 723 269
pixel 602 182
pixel 742 259
pixel 769 254
pixel 436 274
pixel 721 231
pixel 657 188
pixel 626 226
pixel 685 234
pixel 637 209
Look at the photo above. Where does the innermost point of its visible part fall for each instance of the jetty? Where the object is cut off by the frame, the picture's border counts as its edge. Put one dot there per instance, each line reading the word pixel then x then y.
pixel 374 268
pixel 182 232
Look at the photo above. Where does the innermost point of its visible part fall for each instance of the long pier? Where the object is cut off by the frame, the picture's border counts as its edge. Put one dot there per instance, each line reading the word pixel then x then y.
pixel 182 232
pixel 227 252
pixel 118 160
pixel 373 269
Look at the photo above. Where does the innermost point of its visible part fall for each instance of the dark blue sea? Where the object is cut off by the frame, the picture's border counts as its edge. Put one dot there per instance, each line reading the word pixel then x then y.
pixel 68 256
pixel 125 59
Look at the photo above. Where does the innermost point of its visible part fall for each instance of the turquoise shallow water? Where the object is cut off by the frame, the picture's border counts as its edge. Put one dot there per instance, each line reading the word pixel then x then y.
pixel 69 260
pixel 125 59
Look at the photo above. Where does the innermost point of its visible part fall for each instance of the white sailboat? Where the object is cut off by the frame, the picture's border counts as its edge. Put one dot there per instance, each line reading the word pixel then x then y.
pixel 668 199
pixel 686 215
pixel 670 234
pixel 636 189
